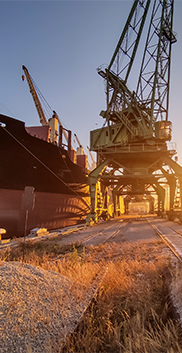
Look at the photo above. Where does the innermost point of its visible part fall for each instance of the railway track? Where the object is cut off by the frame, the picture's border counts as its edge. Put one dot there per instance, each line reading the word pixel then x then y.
pixel 105 234
pixel 81 234
pixel 102 235
pixel 107 231
pixel 171 237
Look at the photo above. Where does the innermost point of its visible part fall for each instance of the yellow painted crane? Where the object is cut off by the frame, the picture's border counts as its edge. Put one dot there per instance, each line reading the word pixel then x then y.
pixel 33 92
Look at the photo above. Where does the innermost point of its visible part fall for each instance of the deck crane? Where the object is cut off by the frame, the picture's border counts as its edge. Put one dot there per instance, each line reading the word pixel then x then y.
pixel 78 141
pixel 80 150
pixel 33 92
pixel 54 120
pixel 132 143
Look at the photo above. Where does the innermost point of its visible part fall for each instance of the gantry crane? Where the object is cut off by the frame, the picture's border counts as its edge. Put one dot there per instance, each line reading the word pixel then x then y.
pixel 132 144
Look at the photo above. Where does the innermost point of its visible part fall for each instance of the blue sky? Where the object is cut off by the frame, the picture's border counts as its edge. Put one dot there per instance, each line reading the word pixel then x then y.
pixel 62 43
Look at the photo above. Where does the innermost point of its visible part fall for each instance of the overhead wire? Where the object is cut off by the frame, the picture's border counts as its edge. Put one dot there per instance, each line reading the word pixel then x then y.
pixel 45 105
pixel 7 109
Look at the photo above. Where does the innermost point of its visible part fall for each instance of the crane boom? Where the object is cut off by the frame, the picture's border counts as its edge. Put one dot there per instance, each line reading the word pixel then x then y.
pixel 41 114
pixel 144 110
pixel 78 141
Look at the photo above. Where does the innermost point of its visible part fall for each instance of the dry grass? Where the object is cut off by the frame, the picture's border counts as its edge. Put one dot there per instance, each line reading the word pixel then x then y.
pixel 130 313
pixel 31 251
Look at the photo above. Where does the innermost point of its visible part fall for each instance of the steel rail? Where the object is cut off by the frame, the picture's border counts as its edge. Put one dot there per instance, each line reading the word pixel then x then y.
pixel 124 223
pixel 118 230
pixel 162 236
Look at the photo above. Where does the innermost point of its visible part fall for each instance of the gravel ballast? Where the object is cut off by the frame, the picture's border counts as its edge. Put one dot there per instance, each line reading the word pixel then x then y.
pixel 37 309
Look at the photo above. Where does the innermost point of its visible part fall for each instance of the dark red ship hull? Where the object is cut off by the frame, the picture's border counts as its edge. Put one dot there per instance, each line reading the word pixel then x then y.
pixel 40 178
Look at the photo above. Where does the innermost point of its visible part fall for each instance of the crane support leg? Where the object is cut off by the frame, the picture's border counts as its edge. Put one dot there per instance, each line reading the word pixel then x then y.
pixel 172 186
pixel 115 199
pixel 151 205
pixel 178 171
pixel 126 203
pixel 93 178
pixel 161 198
pixel 114 196
pixel 105 197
